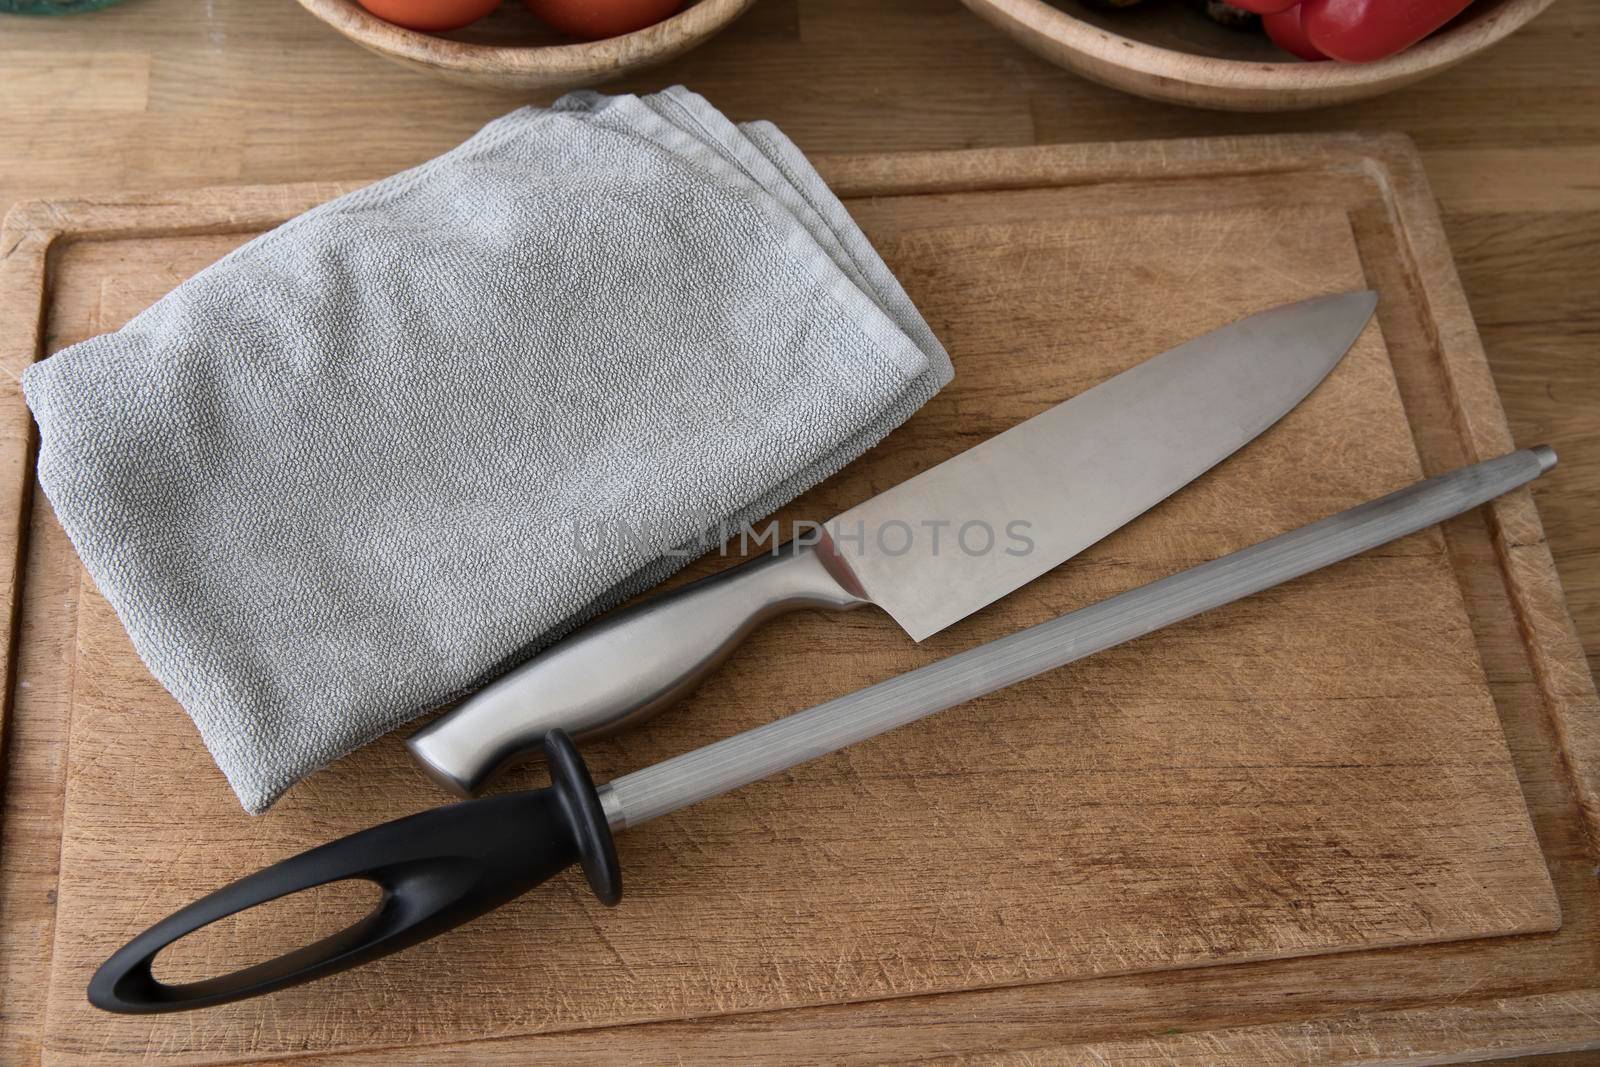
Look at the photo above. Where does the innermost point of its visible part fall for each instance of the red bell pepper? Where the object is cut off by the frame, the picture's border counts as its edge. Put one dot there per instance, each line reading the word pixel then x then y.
pixel 1360 31
pixel 1287 32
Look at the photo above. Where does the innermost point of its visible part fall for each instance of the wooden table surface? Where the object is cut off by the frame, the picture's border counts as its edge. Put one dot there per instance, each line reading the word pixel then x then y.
pixel 161 94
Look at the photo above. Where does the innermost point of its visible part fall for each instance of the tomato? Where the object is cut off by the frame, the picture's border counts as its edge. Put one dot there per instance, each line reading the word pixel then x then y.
pixel 430 15
pixel 1360 31
pixel 1286 32
pixel 1264 7
pixel 594 19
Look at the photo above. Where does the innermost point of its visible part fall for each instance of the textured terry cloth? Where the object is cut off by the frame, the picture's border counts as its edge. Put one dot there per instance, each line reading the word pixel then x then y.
pixel 337 478
pixel 766 156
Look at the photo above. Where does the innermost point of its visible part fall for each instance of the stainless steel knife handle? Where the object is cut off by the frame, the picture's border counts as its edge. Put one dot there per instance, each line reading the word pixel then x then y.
pixel 624 668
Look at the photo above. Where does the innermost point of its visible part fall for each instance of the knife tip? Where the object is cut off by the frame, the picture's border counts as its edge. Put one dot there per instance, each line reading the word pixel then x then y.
pixel 1354 306
pixel 1366 299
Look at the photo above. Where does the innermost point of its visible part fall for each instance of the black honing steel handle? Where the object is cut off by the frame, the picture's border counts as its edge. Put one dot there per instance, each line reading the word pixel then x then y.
pixel 438 869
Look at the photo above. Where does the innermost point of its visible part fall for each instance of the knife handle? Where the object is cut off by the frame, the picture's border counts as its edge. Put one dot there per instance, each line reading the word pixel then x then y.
pixel 438 869
pixel 625 668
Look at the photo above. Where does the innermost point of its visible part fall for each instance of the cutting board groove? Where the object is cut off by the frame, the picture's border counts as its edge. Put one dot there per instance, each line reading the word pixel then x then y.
pixel 1355 814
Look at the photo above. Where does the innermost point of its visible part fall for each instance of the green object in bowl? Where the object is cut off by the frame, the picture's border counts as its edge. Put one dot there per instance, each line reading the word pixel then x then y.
pixel 51 7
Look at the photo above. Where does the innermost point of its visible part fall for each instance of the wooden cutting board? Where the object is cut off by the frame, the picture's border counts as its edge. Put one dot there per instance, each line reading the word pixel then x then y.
pixel 1354 815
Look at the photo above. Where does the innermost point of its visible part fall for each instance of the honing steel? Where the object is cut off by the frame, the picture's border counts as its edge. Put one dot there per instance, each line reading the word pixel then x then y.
pixel 444 867
pixel 1063 480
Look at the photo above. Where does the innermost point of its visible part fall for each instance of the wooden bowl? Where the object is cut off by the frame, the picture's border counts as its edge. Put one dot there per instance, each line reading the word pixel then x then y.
pixel 510 49
pixel 1165 50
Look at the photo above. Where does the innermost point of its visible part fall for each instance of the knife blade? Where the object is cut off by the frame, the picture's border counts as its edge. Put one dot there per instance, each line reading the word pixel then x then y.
pixel 929 551
pixel 444 867
pixel 1090 465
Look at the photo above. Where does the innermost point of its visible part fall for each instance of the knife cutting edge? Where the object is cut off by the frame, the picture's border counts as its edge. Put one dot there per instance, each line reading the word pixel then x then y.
pixel 444 867
pixel 1069 476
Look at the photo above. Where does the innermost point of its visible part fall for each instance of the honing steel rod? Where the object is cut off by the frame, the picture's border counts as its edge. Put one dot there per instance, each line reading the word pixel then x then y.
pixel 444 867
pixel 758 753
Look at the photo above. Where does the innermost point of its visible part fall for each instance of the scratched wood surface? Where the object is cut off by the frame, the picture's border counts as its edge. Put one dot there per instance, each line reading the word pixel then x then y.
pixel 1319 771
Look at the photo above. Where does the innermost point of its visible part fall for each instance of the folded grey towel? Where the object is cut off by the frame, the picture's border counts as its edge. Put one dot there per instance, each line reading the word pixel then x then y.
pixel 339 477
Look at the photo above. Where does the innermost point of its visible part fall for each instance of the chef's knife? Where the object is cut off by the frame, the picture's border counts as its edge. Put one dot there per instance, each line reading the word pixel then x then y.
pixel 931 550
pixel 444 867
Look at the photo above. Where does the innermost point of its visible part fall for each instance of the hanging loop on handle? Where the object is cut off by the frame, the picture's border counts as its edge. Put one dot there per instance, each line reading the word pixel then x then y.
pixel 437 869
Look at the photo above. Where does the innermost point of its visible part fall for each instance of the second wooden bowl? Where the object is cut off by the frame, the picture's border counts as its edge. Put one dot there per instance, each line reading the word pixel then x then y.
pixel 1167 51
pixel 510 50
